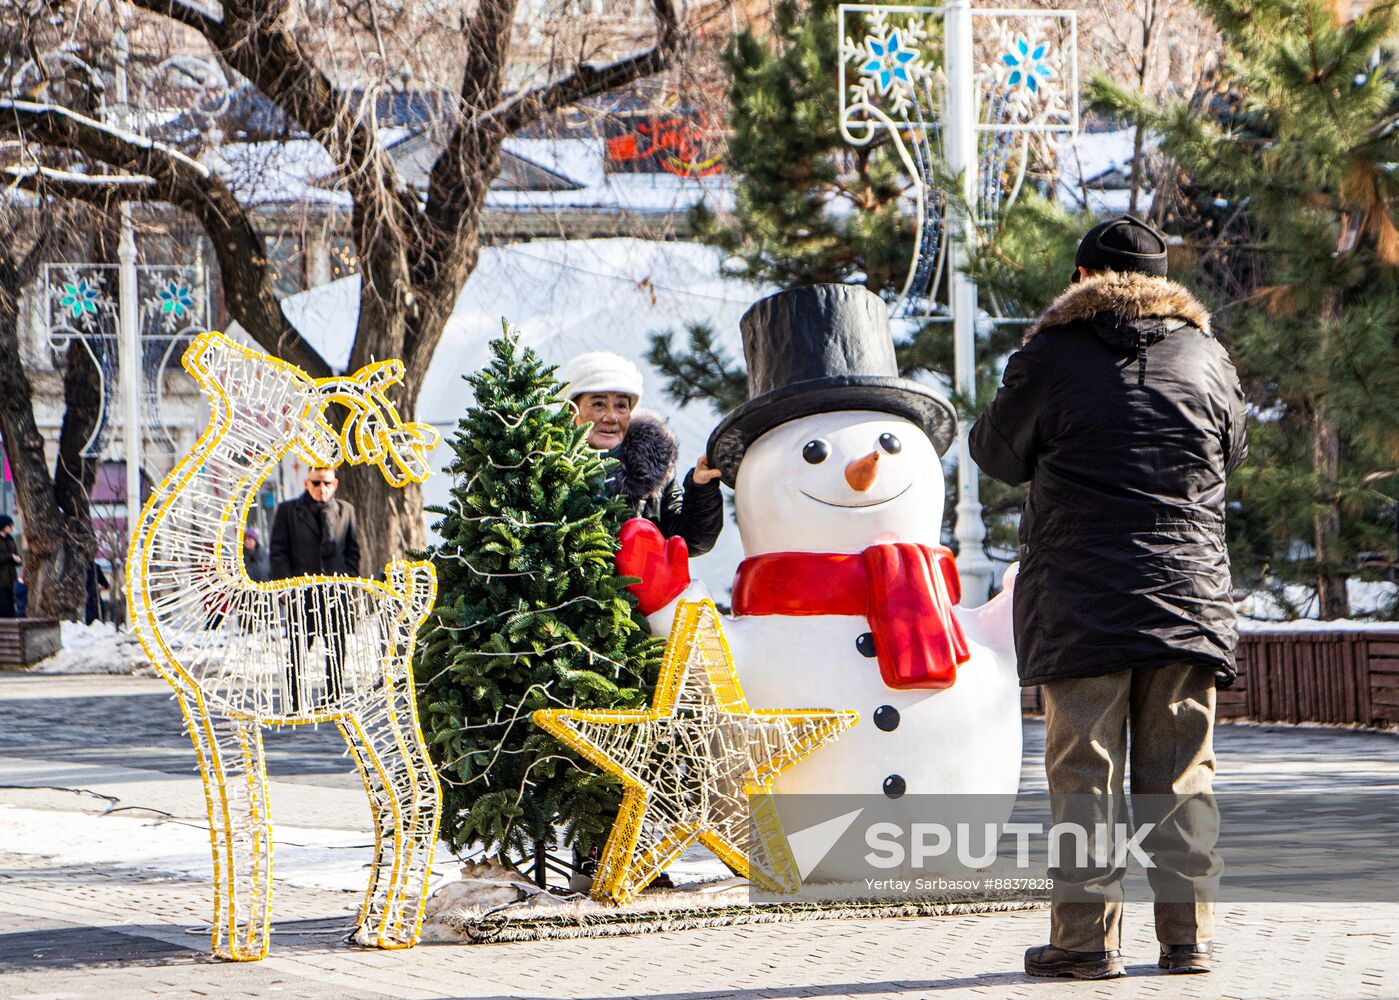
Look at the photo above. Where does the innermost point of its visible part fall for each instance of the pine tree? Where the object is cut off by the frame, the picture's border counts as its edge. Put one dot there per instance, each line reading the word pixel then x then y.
pixel 530 614
pixel 703 370
pixel 1302 144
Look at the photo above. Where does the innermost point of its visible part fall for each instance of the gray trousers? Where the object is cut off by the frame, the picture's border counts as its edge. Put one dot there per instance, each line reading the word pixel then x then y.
pixel 1162 721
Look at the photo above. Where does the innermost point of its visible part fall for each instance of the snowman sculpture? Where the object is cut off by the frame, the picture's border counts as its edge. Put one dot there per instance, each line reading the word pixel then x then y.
pixel 846 598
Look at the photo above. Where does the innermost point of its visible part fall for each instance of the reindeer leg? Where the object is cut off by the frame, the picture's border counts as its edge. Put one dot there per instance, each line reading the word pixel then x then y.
pixel 406 801
pixel 240 829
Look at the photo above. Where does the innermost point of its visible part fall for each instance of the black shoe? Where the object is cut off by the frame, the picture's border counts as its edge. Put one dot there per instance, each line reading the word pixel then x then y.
pixel 1049 961
pixel 1185 958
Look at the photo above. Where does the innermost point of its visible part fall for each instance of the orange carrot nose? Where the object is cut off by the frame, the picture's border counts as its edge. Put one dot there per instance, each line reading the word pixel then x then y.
pixel 862 472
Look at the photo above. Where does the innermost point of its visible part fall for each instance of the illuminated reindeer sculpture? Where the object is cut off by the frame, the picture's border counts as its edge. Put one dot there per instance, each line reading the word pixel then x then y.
pixel 224 642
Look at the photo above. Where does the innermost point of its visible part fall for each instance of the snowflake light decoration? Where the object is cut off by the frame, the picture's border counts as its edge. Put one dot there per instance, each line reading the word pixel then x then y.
pixel 175 299
pixel 1028 66
pixel 1025 78
pixel 889 61
pixel 80 297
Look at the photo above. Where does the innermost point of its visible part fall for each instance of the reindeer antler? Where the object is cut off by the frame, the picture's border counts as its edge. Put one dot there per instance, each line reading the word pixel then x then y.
pixel 374 432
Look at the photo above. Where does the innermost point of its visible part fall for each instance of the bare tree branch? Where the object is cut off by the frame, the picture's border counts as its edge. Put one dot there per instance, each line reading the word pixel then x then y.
pixel 461 176
pixel 92 188
pixel 56 125
pixel 188 184
pixel 187 14
pixel 591 79
pixel 253 38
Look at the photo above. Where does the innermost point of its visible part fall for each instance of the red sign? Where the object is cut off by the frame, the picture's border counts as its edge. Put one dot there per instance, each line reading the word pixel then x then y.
pixel 673 143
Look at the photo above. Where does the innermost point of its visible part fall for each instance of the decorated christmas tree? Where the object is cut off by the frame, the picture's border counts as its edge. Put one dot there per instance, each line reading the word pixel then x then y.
pixel 530 615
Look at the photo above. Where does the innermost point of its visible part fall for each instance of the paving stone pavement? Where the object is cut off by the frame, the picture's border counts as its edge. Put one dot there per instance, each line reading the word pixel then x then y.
pixel 119 933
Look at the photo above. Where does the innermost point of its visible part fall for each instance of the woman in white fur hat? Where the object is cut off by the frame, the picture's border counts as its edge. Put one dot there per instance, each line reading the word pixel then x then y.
pixel 605 389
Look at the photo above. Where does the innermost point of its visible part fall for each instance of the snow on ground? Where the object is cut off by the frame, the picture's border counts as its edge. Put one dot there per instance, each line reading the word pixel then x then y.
pixel 564 297
pixel 99 648
pixel 307 857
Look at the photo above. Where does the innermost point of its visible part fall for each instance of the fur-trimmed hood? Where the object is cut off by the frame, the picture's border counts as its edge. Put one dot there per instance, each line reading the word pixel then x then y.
pixel 1120 300
pixel 646 458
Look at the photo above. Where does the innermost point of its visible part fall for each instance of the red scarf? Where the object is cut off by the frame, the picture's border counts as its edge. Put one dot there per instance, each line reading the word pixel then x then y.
pixel 906 592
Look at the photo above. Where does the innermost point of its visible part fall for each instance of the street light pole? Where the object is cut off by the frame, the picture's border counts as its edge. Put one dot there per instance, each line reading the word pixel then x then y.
pixel 961 153
pixel 129 364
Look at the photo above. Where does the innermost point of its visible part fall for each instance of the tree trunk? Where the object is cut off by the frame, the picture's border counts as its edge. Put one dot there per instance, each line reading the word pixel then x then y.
pixel 58 537
pixel 1332 600
pixel 390 521
pixel 541 868
pixel 1134 192
pixel 1331 596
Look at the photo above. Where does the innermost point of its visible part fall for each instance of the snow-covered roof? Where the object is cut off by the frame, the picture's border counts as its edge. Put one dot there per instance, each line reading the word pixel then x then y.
pixel 276 173
pixel 540 176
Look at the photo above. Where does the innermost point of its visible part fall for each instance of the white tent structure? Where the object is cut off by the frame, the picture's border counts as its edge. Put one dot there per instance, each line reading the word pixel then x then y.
pixel 564 297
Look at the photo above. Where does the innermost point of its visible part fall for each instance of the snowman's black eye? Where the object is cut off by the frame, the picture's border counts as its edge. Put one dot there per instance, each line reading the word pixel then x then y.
pixel 816 451
pixel 890 444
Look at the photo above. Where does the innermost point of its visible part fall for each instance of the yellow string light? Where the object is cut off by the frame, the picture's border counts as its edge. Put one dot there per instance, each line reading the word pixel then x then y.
pixel 238 652
pixel 691 764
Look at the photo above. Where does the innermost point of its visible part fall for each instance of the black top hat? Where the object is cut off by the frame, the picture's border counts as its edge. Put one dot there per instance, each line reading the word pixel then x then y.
pixel 815 350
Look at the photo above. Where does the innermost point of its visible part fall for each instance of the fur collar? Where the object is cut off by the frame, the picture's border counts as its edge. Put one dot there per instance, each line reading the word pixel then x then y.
pixel 646 457
pixel 1126 295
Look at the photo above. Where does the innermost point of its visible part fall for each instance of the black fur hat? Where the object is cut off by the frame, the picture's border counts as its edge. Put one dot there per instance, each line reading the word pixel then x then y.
pixel 1125 244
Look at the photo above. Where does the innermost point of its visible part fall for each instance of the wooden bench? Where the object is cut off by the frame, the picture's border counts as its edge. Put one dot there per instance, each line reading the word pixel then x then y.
pixel 1302 674
pixel 26 641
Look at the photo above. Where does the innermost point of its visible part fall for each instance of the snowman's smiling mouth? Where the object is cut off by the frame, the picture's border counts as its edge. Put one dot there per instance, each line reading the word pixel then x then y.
pixel 857 506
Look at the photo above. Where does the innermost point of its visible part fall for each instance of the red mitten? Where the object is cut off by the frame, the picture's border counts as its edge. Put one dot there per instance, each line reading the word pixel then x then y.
pixel 662 564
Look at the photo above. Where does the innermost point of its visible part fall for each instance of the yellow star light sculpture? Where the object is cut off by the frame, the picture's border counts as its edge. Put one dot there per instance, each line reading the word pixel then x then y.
pixel 691 762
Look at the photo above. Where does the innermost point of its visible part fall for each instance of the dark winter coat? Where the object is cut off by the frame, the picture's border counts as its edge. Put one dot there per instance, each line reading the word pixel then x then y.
pixel 1124 414
pixel 298 547
pixel 9 569
pixel 645 476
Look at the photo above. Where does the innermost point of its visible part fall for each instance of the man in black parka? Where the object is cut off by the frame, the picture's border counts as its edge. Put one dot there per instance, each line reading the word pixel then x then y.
pixel 1124 415
pixel 315 535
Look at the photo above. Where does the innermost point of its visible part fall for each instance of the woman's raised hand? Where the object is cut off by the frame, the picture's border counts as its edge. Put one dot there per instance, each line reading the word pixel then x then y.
pixel 703 473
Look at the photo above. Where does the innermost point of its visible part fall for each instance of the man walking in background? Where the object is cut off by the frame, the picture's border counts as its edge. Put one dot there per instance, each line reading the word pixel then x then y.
pixel 1125 415
pixel 9 566
pixel 314 535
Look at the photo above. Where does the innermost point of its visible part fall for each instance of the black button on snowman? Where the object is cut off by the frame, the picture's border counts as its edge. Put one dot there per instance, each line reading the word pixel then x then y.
pixel 886 718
